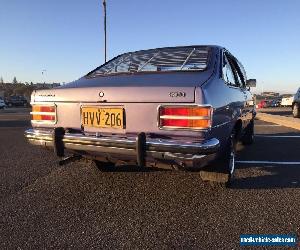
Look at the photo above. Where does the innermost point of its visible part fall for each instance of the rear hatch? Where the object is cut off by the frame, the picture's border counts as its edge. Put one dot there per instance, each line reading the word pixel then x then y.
pixel 140 100
pixel 172 76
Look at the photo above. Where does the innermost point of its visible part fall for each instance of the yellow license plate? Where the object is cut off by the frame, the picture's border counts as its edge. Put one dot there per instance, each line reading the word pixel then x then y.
pixel 102 117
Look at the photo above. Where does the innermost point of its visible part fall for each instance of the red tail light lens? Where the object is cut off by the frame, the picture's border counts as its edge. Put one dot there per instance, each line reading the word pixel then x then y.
pixel 194 117
pixel 45 114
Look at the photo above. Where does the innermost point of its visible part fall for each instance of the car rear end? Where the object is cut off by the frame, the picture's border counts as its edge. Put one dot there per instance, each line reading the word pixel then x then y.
pixel 145 118
pixel 2 103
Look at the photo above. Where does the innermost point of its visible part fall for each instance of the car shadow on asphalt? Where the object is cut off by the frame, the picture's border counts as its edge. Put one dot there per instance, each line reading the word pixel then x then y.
pixel 134 168
pixel 269 177
pixel 265 174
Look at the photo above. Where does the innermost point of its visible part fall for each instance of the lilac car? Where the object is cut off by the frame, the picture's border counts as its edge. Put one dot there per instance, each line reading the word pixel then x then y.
pixel 177 107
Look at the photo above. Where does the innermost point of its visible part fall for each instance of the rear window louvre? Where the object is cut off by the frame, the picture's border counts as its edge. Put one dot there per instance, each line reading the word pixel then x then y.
pixel 157 60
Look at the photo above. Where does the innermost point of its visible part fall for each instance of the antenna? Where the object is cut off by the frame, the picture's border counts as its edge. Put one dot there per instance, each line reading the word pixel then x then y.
pixel 105 45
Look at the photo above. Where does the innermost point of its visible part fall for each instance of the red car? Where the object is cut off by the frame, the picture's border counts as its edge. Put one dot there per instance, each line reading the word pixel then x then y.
pixel 262 104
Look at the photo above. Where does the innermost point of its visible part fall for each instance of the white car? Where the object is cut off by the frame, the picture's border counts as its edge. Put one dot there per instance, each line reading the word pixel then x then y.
pixel 2 104
pixel 287 101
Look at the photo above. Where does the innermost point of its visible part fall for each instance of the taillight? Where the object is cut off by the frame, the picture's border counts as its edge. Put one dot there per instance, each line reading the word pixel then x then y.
pixel 45 114
pixel 185 117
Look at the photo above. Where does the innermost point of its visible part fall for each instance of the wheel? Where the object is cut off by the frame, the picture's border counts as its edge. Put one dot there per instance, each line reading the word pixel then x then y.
pixel 296 112
pixel 248 137
pixel 221 172
pixel 229 165
pixel 104 166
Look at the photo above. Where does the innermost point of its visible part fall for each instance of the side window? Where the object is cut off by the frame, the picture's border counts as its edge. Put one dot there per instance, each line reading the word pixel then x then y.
pixel 228 74
pixel 243 72
pixel 239 78
pixel 240 73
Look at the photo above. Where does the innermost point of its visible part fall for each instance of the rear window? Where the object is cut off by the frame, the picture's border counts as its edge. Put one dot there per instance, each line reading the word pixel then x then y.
pixel 156 60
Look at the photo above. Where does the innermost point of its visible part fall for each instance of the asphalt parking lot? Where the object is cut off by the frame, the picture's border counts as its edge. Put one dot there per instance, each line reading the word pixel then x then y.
pixel 283 111
pixel 43 205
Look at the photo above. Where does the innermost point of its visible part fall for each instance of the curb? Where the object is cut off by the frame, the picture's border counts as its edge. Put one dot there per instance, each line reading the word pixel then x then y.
pixel 280 120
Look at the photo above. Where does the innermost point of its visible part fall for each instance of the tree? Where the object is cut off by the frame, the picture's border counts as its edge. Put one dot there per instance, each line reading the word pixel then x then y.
pixel 1 80
pixel 8 92
pixel 15 80
pixel 22 90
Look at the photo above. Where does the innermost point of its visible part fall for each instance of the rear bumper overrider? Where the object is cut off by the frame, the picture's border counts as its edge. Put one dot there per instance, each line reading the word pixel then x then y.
pixel 144 150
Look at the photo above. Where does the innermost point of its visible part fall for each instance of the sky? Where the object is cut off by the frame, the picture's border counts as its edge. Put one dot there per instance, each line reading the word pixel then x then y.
pixel 62 40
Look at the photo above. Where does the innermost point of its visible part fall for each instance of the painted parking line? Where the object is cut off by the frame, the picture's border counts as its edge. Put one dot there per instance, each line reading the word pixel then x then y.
pixel 267 125
pixel 278 136
pixel 270 162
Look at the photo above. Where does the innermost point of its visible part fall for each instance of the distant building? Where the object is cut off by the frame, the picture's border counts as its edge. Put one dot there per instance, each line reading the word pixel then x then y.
pixel 287 95
pixel 270 94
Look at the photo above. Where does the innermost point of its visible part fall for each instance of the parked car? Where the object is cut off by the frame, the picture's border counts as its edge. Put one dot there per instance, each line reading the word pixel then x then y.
pixel 274 103
pixel 287 101
pixel 262 104
pixel 268 104
pixel 296 104
pixel 2 103
pixel 16 101
pixel 181 107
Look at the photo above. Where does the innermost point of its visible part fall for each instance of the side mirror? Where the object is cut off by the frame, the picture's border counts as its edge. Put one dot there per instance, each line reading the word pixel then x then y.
pixel 251 83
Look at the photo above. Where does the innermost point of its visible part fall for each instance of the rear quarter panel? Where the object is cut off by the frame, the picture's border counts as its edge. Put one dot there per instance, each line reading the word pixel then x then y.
pixel 228 103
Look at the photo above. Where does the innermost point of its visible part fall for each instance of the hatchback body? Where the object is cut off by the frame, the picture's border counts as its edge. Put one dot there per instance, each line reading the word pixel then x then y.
pixel 182 107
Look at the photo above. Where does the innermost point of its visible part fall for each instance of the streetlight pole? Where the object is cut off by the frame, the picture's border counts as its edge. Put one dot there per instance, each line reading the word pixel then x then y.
pixel 105 45
pixel 43 74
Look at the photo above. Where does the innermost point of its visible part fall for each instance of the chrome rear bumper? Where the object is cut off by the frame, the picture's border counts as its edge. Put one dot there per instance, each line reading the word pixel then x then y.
pixel 157 149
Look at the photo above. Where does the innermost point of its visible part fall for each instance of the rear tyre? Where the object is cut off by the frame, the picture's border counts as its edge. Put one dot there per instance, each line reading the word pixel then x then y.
pixel 104 166
pixel 221 172
pixel 296 112
pixel 248 137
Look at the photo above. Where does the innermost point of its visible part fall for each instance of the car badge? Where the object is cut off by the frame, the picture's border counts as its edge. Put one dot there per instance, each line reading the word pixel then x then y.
pixel 177 94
